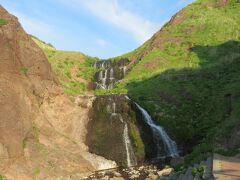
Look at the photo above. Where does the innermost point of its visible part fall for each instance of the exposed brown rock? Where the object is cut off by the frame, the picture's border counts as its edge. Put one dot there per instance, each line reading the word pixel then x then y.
pixel 41 130
pixel 222 3
pixel 151 65
pixel 178 18
pixel 165 172
pixel 24 71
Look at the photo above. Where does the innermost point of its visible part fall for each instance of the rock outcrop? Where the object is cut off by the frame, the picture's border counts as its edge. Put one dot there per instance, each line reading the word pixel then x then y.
pixel 25 75
pixel 42 130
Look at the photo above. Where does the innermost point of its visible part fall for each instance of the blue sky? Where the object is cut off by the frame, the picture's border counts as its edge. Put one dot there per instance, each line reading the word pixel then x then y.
pixel 102 28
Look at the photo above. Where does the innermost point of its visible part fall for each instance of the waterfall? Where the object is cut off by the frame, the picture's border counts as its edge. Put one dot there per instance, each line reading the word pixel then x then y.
pixel 109 73
pixel 105 79
pixel 124 70
pixel 114 109
pixel 160 134
pixel 131 159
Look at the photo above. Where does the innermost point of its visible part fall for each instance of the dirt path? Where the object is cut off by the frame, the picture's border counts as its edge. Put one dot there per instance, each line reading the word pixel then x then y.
pixel 226 168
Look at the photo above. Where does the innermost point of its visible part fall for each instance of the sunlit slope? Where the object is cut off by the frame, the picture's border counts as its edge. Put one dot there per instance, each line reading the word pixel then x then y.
pixel 73 69
pixel 203 23
pixel 187 76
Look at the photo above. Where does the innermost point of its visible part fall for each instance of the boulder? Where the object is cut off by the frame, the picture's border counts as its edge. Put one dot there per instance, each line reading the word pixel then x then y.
pixel 117 174
pixel 207 173
pixel 165 172
pixel 188 175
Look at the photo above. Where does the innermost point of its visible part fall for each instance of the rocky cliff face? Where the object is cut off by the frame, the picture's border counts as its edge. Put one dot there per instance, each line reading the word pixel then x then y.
pixel 123 131
pixel 41 130
pixel 113 131
pixel 25 75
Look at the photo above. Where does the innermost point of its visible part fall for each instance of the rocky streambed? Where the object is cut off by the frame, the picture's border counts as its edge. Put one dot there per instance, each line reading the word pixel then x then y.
pixel 141 172
pixel 201 171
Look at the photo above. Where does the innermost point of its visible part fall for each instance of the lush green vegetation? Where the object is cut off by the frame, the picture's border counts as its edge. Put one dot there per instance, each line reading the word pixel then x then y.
pixel 202 25
pixel 74 69
pixel 188 76
pixel 3 22
pixel 229 152
pixel 42 44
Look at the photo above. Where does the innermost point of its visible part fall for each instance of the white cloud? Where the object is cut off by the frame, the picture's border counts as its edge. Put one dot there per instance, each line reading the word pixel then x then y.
pixel 102 42
pixel 111 12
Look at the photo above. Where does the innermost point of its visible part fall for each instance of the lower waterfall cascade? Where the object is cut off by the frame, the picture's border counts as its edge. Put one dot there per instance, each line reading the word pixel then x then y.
pixel 170 146
pixel 160 134
pixel 122 131
pixel 131 159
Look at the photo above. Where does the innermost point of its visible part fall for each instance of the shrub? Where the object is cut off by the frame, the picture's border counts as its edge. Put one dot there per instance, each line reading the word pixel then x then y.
pixel 3 22
pixel 198 170
pixel 24 70
pixel 36 171
pixel 68 74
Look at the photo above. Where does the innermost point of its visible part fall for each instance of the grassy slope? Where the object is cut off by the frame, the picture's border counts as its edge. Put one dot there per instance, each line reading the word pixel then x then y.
pixel 188 75
pixel 202 25
pixel 73 69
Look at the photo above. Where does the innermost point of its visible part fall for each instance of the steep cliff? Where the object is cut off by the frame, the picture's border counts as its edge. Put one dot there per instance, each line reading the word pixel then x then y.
pixel 42 130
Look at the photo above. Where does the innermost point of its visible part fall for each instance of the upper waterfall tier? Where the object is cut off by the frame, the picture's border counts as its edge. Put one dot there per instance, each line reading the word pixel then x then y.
pixel 109 72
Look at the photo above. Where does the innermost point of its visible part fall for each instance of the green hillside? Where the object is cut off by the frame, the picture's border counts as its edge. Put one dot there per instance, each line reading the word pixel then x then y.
pixel 187 76
pixel 73 69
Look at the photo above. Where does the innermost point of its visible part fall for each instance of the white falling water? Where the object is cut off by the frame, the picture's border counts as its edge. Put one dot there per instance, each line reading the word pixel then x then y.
pixel 160 134
pixel 105 79
pixel 101 75
pixel 111 73
pixel 114 109
pixel 124 70
pixel 103 64
pixel 131 159
pixel 106 75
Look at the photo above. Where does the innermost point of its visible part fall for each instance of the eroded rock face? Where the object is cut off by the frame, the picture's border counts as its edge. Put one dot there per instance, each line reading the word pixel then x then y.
pixel 110 131
pixel 41 130
pixel 118 130
pixel 24 73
